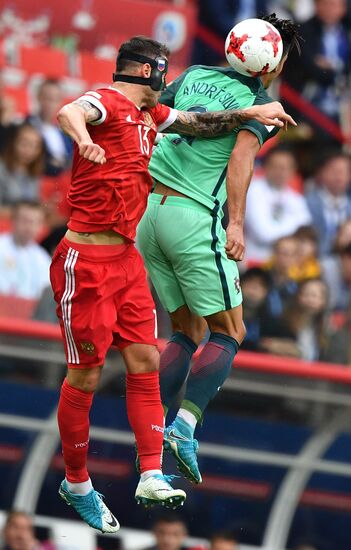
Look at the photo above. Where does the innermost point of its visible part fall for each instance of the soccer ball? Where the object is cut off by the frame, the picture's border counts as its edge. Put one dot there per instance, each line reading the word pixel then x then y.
pixel 254 47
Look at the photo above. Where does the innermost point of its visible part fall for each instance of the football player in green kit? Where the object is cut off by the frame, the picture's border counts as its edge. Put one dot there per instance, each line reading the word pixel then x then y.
pixel 188 254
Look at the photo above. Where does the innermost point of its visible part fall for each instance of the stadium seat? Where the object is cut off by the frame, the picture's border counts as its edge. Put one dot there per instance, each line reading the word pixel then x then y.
pixel 93 69
pixel 2 55
pixel 16 308
pixel 21 98
pixel 48 61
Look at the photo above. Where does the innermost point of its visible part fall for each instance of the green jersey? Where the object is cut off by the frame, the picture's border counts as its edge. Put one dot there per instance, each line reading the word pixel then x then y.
pixel 197 166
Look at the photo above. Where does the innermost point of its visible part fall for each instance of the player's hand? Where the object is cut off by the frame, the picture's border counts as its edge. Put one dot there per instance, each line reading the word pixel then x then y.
pixel 93 152
pixel 270 114
pixel 235 245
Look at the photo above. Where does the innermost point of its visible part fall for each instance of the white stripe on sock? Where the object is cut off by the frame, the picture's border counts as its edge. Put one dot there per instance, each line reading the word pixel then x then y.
pixel 80 488
pixel 188 417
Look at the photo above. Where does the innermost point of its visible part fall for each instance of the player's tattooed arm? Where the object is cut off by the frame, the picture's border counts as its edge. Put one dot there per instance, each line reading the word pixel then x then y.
pixel 73 119
pixel 92 113
pixel 215 123
pixel 209 124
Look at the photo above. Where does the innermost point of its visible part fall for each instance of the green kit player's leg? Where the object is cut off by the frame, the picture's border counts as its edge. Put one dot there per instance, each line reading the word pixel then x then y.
pixel 191 243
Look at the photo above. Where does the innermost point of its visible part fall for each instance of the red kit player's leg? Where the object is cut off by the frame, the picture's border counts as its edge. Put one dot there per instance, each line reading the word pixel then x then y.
pixel 144 408
pixel 87 322
pixel 73 420
pixel 137 333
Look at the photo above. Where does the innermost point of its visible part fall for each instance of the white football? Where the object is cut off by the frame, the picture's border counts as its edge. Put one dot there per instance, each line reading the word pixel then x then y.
pixel 254 47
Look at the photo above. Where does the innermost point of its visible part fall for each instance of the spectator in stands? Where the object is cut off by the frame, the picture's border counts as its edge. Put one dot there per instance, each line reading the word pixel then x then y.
pixel 336 269
pixel 306 318
pixel 283 289
pixel 339 279
pixel 329 201
pixel 255 286
pixel 308 265
pixel 7 116
pixel 24 264
pixel 273 209
pixel 324 67
pixel 338 343
pixel 18 533
pixel 215 21
pixel 21 167
pixel 58 146
pixel 224 540
pixel 170 532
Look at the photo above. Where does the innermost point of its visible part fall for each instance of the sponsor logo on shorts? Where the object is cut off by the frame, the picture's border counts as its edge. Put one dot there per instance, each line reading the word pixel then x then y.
pixel 157 428
pixel 88 347
pixel 237 285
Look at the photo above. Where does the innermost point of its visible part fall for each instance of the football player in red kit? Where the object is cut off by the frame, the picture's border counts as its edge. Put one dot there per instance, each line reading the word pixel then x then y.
pixel 97 274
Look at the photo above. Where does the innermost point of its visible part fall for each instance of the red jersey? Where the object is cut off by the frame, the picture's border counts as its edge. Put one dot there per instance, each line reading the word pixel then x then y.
pixel 114 195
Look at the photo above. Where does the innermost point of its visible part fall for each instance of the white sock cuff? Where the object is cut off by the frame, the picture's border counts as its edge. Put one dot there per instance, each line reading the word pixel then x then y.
pixel 149 473
pixel 188 417
pixel 80 488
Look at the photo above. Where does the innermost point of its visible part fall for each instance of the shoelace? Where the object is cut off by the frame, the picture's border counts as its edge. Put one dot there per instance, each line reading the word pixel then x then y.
pixel 98 504
pixel 168 478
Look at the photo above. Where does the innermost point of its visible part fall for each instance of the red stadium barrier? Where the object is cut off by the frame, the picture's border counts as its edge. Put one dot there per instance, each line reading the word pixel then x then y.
pixel 245 360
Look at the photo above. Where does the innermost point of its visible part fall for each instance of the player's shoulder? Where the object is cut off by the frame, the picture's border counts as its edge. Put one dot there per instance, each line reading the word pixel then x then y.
pixel 226 72
pixel 111 95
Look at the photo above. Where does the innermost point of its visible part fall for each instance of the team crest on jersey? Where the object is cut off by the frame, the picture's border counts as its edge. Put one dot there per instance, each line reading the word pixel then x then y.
pixel 237 285
pixel 88 347
pixel 149 121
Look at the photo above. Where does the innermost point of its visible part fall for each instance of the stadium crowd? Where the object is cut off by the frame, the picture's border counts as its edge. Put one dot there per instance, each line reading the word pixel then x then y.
pixel 169 530
pixel 296 276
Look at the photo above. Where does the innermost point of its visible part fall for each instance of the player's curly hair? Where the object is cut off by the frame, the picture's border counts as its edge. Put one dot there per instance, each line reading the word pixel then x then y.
pixel 289 31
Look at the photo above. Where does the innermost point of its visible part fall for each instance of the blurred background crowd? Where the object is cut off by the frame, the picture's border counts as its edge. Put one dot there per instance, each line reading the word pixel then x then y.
pixel 296 276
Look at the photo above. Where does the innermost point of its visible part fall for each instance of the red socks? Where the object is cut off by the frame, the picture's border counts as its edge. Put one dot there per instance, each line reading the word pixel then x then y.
pixel 145 415
pixel 73 420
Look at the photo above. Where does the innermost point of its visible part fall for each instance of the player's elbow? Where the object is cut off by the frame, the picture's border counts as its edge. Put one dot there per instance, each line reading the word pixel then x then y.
pixel 64 114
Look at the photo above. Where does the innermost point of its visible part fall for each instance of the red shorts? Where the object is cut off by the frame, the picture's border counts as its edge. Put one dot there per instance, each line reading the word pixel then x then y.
pixel 102 298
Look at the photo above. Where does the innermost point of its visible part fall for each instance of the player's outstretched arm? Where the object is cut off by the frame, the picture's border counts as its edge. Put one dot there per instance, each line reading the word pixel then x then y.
pixel 215 123
pixel 239 174
pixel 73 119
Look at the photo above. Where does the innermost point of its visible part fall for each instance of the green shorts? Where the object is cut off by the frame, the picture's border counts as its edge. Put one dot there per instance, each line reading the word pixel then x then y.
pixel 182 243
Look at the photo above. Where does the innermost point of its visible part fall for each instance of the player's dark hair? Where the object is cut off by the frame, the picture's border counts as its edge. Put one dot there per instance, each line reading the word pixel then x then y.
pixel 289 31
pixel 141 45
